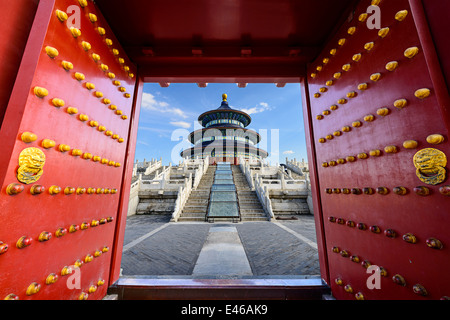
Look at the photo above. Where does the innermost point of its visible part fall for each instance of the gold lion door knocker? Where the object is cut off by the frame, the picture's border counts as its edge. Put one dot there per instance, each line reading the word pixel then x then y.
pixel 430 166
pixel 31 162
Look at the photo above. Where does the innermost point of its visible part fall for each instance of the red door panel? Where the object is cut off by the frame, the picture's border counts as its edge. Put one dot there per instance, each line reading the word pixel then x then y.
pixel 94 123
pixel 359 147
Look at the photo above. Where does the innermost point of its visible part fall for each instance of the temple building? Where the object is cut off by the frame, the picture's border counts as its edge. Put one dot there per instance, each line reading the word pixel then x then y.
pixel 224 137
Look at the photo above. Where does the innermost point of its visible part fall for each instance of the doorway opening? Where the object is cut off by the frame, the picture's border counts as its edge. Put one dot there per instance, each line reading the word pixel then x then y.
pixel 280 245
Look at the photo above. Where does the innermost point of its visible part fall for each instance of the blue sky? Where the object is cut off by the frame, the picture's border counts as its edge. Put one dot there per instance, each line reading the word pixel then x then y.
pixel 169 114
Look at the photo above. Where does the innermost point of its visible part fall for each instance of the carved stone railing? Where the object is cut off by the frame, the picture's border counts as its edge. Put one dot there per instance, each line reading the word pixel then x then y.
pixel 296 166
pixel 161 184
pixel 283 184
pixel 183 195
pixel 190 184
pixel 256 185
pixel 200 171
pixel 262 191
pixel 245 168
pixel 168 179
pixel 150 166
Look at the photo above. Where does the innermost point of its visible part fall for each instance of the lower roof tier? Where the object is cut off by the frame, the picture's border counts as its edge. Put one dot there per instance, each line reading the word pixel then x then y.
pixel 235 149
pixel 197 135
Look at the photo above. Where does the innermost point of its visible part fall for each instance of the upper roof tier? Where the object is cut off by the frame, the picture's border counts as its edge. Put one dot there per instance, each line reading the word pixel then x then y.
pixel 224 115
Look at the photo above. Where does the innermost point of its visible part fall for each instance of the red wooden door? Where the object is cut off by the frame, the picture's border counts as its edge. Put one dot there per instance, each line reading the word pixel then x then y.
pixel 378 112
pixel 64 157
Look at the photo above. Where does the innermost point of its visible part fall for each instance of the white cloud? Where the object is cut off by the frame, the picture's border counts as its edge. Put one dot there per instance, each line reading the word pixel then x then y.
pixel 143 142
pixel 181 124
pixel 153 129
pixel 261 107
pixel 288 152
pixel 160 131
pixel 150 103
pixel 179 112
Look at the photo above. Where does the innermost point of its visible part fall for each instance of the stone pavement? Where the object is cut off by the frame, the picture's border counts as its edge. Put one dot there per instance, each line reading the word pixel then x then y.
pixel 153 246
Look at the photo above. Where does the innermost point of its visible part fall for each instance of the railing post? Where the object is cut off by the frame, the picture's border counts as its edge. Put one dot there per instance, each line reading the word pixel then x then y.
pixel 283 182
pixel 163 182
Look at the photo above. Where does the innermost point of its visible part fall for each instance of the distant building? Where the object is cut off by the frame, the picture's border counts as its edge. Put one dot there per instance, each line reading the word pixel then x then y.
pixel 256 189
pixel 224 137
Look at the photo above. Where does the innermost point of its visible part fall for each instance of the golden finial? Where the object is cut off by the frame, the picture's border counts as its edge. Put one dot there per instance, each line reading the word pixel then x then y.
pixel 224 97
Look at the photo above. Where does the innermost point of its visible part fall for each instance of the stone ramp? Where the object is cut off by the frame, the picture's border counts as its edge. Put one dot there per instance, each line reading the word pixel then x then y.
pixel 222 254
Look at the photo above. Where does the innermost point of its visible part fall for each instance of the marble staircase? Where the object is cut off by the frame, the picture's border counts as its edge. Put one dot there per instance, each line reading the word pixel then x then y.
pixel 249 205
pixel 196 206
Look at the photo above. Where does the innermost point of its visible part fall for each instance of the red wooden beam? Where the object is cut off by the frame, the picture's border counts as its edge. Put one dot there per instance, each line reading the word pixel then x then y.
pixel 226 71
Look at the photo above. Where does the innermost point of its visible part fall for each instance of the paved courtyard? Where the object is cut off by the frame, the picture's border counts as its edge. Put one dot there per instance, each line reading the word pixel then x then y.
pixel 153 246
